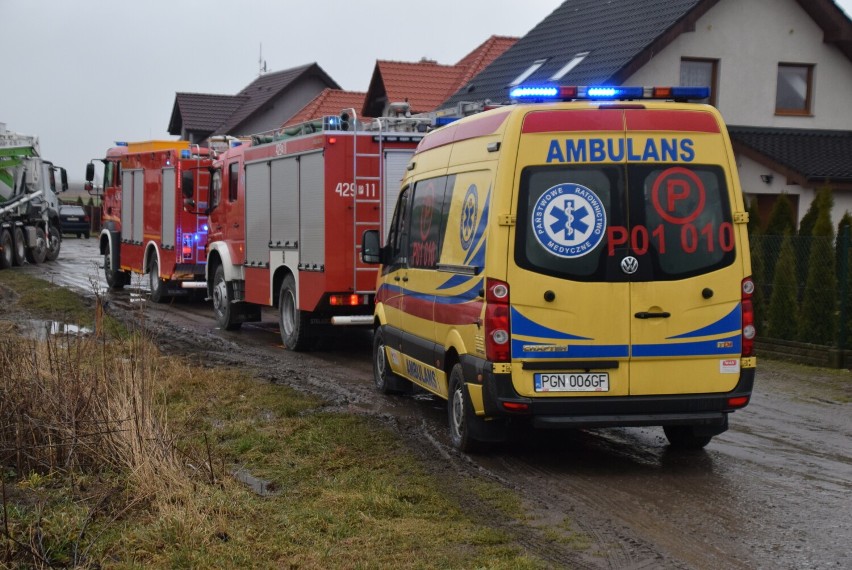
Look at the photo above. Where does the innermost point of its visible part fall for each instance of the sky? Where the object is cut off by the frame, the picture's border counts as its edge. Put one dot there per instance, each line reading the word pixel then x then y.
pixel 83 74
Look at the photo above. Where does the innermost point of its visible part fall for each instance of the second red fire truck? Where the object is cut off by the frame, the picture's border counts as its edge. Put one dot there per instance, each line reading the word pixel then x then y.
pixel 286 215
pixel 154 196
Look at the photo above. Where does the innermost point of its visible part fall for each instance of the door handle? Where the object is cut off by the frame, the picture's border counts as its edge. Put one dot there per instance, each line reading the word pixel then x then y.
pixel 236 225
pixel 647 315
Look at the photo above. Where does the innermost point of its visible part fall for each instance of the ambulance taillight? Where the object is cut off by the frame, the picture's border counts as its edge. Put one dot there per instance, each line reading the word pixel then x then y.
pixel 749 332
pixel 497 337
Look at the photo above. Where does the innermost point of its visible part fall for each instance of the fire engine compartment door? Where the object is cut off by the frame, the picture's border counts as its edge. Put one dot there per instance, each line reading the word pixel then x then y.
pixel 257 214
pixel 285 203
pixel 312 211
pixel 395 163
pixel 132 203
pixel 168 226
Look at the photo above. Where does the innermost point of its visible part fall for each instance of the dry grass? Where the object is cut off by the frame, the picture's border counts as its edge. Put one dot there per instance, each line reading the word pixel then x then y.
pixel 116 456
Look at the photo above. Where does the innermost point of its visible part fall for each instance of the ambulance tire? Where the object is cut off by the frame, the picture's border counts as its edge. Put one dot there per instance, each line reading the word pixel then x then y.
pixel 386 381
pixel 20 248
pixel 6 250
pixel 115 279
pixel 223 306
pixel 461 415
pixel 295 325
pixel 54 243
pixel 685 437
pixel 159 290
pixel 38 253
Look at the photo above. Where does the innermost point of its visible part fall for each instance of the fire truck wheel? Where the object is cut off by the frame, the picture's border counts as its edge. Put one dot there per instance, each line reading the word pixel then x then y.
pixel 37 253
pixel 115 279
pixel 159 291
pixel 54 243
pixel 386 381
pixel 223 308
pixel 460 412
pixel 6 251
pixel 294 324
pixel 20 247
pixel 685 437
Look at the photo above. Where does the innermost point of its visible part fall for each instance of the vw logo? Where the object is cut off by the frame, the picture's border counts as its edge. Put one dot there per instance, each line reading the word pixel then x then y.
pixel 629 265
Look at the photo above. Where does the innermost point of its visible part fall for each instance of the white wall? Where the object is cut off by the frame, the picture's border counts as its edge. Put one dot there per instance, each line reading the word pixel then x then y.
pixel 750 38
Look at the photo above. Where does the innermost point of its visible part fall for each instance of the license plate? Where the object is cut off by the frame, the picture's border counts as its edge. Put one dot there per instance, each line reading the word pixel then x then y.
pixel 572 382
pixel 72 219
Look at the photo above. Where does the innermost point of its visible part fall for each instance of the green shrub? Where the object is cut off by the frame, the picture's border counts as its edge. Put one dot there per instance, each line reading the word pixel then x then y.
pixel 817 316
pixel 783 301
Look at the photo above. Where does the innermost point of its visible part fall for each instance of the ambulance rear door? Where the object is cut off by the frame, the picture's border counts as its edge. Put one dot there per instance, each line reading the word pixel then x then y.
pixel 679 252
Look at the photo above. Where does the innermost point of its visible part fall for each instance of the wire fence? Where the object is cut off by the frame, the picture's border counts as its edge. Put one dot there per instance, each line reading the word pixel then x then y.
pixel 803 288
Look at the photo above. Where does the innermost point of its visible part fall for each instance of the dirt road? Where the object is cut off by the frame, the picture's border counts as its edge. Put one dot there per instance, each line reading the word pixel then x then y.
pixel 775 491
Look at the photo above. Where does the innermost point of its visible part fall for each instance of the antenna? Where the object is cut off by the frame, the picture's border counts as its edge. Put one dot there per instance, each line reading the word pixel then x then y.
pixel 261 63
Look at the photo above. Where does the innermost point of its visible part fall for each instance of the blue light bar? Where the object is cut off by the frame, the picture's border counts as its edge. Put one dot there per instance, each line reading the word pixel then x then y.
pixel 534 92
pixel 441 121
pixel 690 92
pixel 120 143
pixel 185 153
pixel 607 92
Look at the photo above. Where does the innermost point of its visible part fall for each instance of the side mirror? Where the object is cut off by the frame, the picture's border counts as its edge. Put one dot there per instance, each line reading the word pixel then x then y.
pixel 63 178
pixel 90 172
pixel 189 204
pixel 371 249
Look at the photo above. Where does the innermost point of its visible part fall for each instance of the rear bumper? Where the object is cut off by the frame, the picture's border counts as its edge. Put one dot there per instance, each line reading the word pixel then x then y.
pixel 707 411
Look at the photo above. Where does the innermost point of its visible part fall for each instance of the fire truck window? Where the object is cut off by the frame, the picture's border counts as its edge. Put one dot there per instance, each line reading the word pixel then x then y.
pixel 109 173
pixel 215 188
pixel 398 234
pixel 233 180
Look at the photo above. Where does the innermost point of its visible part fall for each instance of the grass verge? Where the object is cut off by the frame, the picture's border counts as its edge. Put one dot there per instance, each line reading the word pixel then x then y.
pixel 116 456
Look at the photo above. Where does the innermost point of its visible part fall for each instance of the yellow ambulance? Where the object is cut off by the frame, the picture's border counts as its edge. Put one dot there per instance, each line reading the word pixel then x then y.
pixel 572 264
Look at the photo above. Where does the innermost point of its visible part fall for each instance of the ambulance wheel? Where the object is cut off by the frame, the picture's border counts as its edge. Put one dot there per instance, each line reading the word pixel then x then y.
pixel 386 381
pixel 223 306
pixel 460 412
pixel 115 279
pixel 20 247
pixel 159 291
pixel 54 243
pixel 6 251
pixel 295 325
pixel 684 437
pixel 37 253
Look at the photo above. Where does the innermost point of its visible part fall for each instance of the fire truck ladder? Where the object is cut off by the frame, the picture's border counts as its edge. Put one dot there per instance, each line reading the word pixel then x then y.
pixel 365 190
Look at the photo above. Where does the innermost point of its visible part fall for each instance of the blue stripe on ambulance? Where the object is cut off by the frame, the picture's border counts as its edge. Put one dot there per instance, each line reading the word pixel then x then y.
pixel 452 299
pixel 539 335
pixel 730 322
pixel 572 351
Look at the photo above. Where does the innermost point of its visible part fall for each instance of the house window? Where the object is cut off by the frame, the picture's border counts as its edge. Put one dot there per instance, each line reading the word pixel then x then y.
pixel 695 72
pixel 793 93
pixel 575 61
pixel 530 70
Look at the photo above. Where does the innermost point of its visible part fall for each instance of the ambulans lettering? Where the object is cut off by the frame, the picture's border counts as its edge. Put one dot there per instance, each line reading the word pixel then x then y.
pixel 420 373
pixel 569 220
pixel 620 149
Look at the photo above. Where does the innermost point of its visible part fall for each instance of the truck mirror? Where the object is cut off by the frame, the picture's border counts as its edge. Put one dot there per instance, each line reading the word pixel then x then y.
pixel 90 172
pixel 187 185
pixel 188 204
pixel 371 250
pixel 63 178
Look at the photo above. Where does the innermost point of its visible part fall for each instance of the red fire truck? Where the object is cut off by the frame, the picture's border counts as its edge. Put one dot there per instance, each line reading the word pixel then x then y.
pixel 286 216
pixel 154 196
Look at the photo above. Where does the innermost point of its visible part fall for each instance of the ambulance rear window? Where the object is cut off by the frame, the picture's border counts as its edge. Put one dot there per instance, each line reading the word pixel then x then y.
pixel 581 222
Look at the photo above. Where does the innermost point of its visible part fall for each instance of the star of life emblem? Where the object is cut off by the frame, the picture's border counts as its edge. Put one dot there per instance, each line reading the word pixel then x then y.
pixel 569 220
